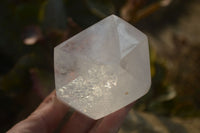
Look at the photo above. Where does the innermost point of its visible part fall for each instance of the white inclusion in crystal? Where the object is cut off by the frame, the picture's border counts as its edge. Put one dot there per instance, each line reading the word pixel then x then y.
pixel 93 84
pixel 103 68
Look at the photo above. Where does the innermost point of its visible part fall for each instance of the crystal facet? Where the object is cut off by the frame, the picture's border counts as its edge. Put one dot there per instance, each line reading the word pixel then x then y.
pixel 103 68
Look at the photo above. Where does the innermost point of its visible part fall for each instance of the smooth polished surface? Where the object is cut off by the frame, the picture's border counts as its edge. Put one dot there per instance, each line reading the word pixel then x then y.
pixel 103 68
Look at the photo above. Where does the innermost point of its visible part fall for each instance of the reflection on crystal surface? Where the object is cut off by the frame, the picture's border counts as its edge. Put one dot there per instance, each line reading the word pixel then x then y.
pixel 103 68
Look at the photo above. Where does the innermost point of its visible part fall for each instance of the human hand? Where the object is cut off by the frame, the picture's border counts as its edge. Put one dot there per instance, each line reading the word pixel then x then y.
pixel 47 117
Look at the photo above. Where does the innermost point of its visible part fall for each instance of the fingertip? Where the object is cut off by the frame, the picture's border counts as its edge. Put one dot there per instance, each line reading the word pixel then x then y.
pixel 112 122
pixel 78 123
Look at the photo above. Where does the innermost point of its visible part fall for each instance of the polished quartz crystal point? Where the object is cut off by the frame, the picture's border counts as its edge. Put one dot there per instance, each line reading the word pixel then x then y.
pixel 103 68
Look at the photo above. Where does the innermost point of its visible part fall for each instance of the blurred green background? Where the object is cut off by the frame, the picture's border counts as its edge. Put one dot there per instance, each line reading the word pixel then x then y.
pixel 30 29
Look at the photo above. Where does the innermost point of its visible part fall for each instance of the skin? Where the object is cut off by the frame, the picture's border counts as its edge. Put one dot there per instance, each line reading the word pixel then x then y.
pixel 49 114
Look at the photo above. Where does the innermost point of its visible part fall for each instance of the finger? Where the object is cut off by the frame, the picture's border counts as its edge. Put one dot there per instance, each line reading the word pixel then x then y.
pixel 112 122
pixel 45 118
pixel 78 123
pixel 52 111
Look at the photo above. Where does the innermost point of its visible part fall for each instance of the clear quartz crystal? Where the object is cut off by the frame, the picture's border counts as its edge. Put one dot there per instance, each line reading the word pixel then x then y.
pixel 103 68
